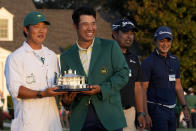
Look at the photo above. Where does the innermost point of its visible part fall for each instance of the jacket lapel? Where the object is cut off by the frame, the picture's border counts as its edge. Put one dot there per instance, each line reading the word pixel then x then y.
pixel 77 61
pixel 95 53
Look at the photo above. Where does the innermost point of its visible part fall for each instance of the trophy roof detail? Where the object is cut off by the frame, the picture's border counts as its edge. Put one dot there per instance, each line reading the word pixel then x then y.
pixel 70 73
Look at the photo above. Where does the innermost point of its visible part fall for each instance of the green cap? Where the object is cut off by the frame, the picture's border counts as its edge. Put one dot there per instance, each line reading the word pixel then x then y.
pixel 35 17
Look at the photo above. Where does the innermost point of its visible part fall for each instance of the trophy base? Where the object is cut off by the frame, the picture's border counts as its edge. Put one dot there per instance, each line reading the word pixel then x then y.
pixel 65 88
pixel 72 90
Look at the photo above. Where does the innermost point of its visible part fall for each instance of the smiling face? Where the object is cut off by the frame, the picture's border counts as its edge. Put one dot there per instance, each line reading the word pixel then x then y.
pixel 36 34
pixel 163 46
pixel 124 39
pixel 86 29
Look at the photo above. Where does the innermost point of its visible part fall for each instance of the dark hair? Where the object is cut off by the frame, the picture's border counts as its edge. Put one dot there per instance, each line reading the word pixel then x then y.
pixel 25 35
pixel 84 10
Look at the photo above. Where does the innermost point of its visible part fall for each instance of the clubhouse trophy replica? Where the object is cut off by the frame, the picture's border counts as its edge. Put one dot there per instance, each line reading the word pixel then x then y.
pixel 70 81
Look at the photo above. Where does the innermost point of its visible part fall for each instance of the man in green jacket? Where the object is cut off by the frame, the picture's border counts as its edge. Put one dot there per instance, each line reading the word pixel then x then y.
pixel 102 63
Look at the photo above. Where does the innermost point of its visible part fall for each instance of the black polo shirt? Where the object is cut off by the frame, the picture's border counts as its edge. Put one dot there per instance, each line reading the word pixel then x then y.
pixel 127 92
pixel 161 74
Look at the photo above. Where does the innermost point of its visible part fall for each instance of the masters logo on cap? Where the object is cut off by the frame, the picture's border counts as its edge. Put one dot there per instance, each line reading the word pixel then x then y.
pixel 35 17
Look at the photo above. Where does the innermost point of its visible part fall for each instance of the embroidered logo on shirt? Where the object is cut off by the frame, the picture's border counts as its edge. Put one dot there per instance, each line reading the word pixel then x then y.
pixel 132 61
pixel 172 57
pixel 30 78
pixel 104 70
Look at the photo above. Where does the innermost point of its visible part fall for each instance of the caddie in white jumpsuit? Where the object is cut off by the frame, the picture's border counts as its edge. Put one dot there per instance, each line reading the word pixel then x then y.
pixel 30 72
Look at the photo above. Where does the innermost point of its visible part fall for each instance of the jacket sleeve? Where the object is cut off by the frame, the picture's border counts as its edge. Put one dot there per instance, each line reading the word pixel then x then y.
pixel 120 73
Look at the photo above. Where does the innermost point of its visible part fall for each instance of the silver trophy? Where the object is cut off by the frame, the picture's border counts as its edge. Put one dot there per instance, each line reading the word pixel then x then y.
pixel 70 81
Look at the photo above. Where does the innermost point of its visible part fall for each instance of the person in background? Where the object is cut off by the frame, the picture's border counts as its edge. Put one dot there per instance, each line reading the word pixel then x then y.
pixel 103 64
pixel 64 116
pixel 191 91
pixel 161 83
pixel 132 94
pixel 191 102
pixel 30 73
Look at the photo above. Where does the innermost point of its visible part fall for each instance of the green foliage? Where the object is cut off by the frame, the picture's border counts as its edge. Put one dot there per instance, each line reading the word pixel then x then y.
pixel 180 16
pixel 66 4
pixel 9 102
pixel 10 106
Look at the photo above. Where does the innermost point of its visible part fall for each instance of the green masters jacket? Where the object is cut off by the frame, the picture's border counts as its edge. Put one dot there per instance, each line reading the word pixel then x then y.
pixel 108 69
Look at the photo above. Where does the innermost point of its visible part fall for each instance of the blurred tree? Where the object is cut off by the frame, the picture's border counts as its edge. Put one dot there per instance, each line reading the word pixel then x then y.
pixel 65 4
pixel 180 15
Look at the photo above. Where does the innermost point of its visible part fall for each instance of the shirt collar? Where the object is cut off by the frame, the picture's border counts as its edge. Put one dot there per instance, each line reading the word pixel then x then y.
pixel 28 48
pixel 158 54
pixel 128 52
pixel 82 49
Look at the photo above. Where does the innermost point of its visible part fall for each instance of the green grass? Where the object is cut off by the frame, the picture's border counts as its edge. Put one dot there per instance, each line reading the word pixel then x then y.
pixel 5 129
pixel 179 129
pixel 182 129
pixel 186 129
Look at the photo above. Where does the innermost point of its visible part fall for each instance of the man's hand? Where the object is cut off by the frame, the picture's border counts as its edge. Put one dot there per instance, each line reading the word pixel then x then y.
pixel 51 92
pixel 95 89
pixel 142 122
pixel 148 122
pixel 26 93
pixel 68 97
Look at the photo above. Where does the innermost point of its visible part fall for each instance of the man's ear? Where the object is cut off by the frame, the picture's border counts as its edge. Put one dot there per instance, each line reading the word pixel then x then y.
pixel 75 27
pixel 155 42
pixel 114 34
pixel 26 30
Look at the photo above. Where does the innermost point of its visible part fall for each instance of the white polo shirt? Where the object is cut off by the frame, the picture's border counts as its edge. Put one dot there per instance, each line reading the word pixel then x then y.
pixel 24 67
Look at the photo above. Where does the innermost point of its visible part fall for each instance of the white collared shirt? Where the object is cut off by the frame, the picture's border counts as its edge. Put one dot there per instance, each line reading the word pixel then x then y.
pixel 24 68
pixel 85 56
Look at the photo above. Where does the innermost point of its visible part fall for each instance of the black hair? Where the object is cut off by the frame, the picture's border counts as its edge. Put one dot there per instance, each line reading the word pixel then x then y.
pixel 84 10
pixel 25 35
